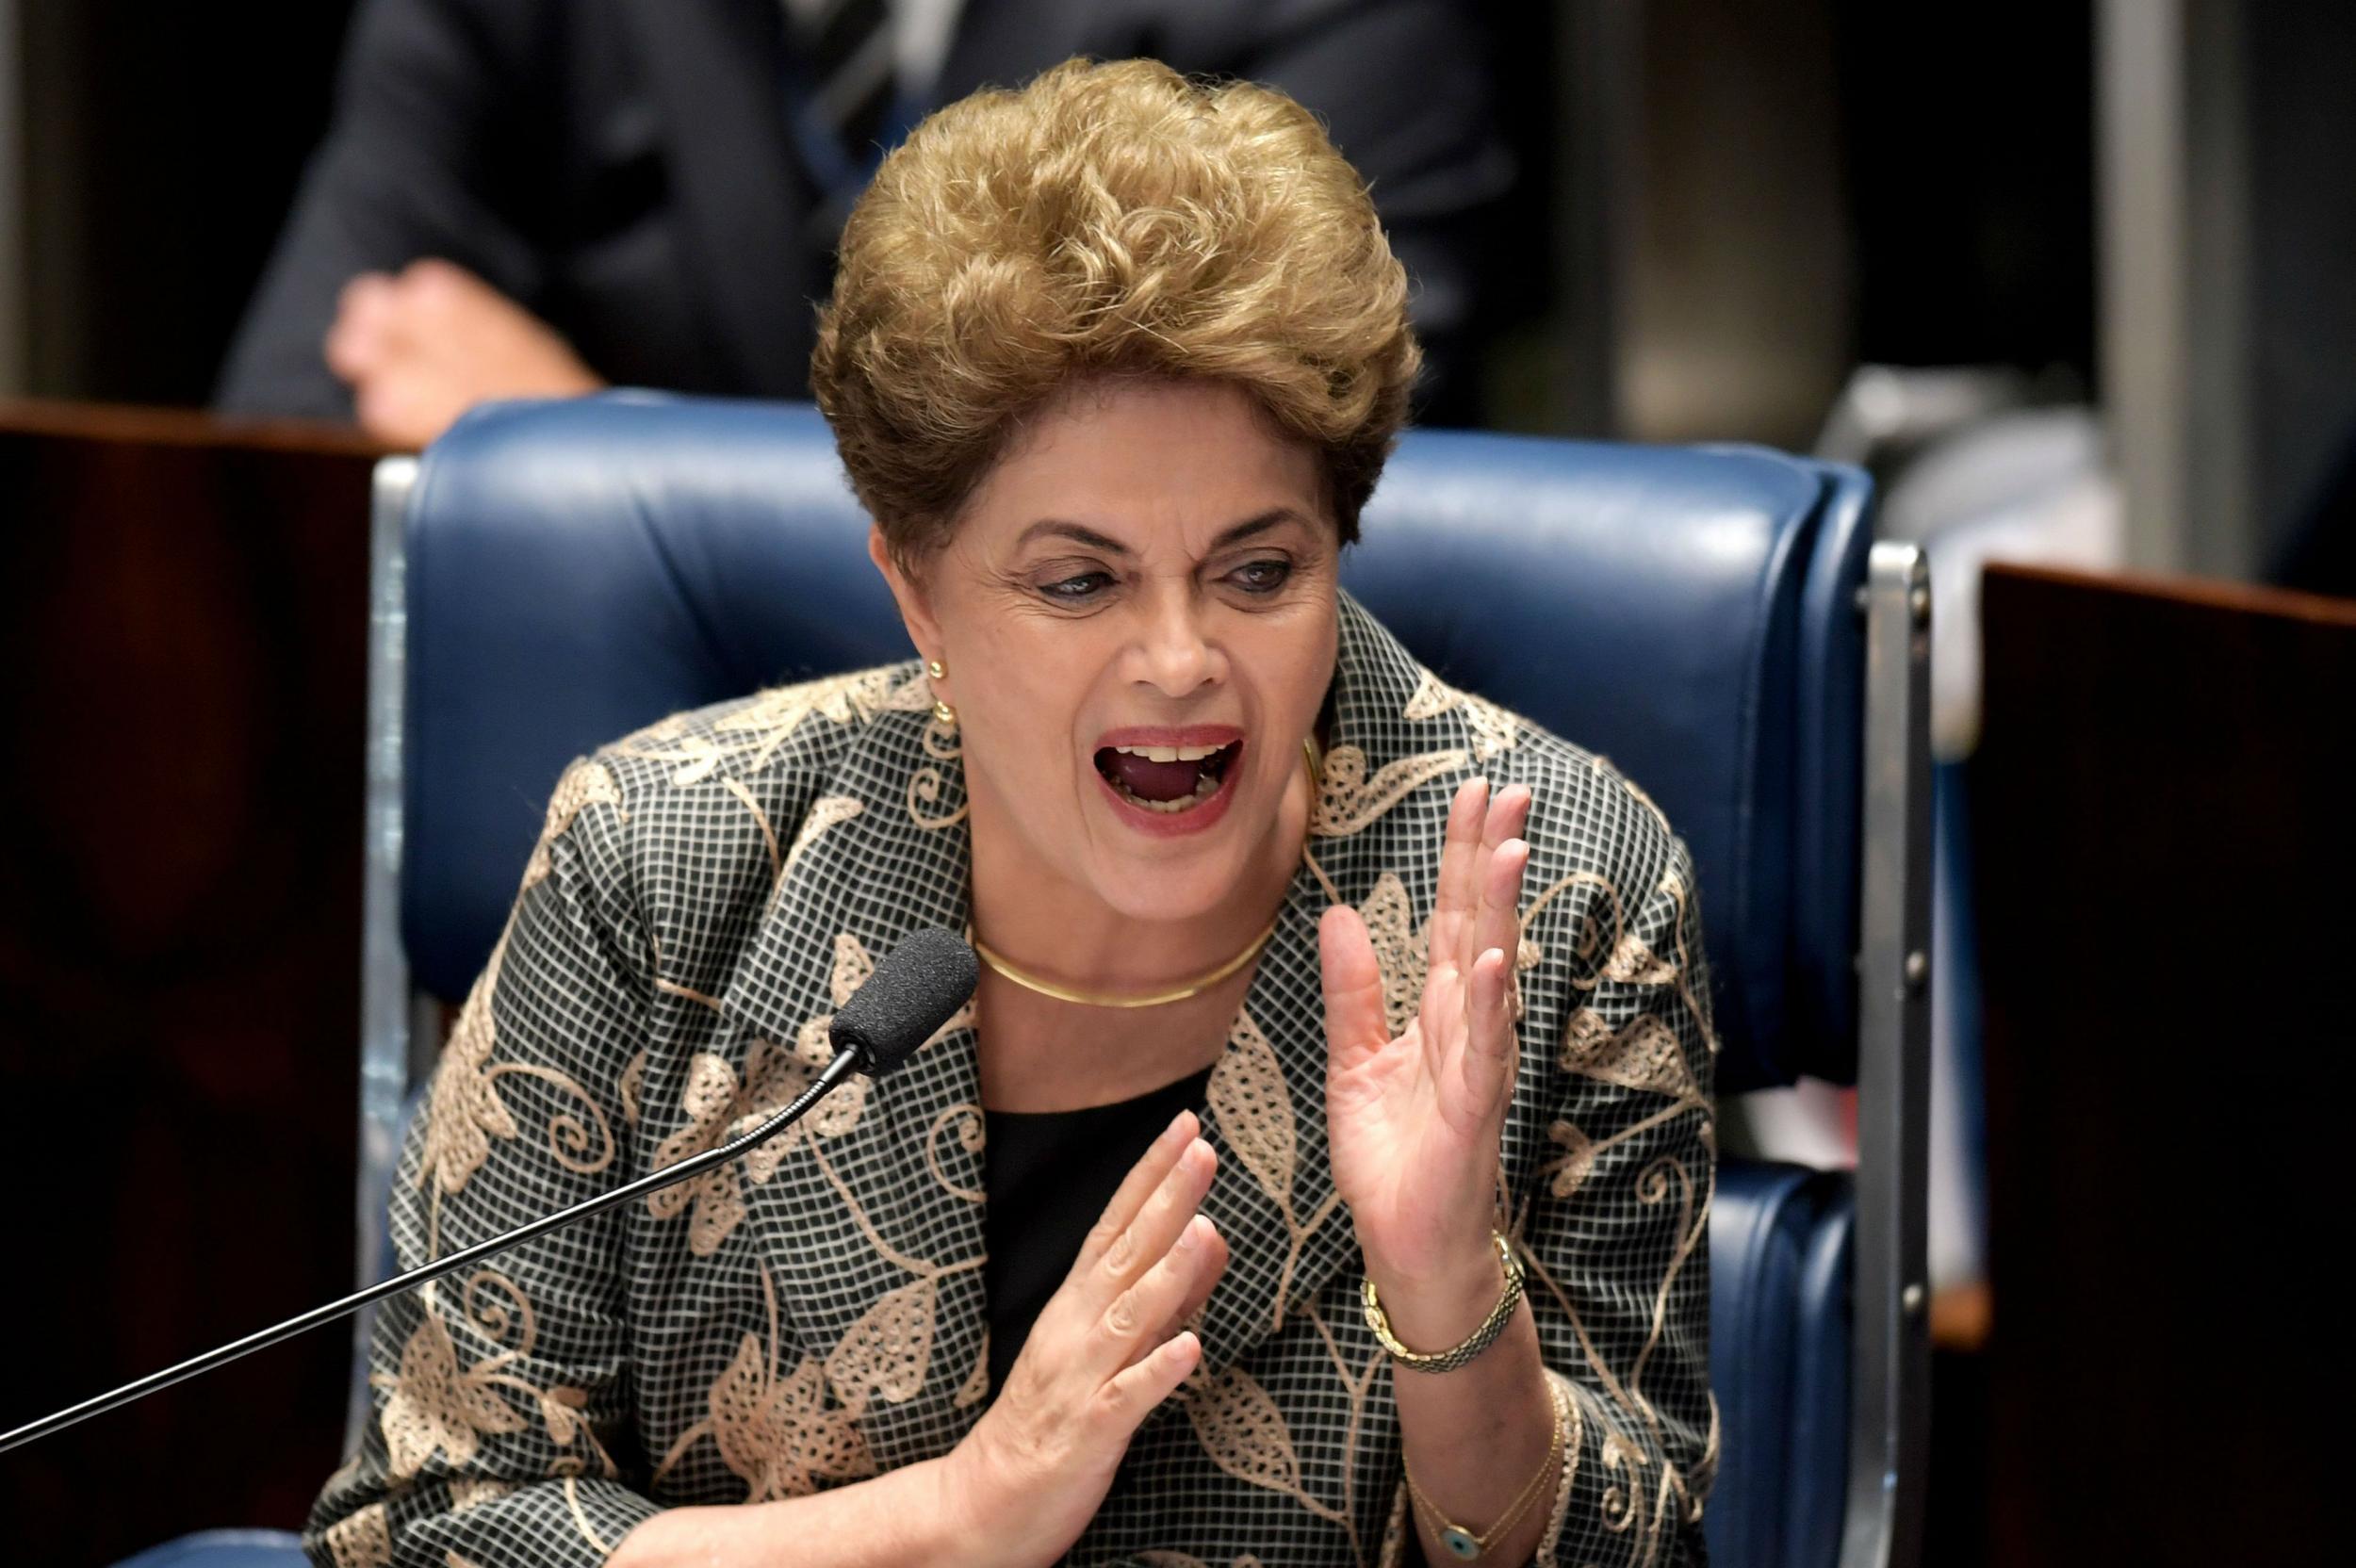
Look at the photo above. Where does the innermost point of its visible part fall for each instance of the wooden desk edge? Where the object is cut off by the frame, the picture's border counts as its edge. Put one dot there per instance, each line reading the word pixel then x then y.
pixel 183 427
pixel 2214 592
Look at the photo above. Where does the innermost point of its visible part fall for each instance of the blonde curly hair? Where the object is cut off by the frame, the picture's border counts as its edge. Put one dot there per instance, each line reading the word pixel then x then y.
pixel 1105 221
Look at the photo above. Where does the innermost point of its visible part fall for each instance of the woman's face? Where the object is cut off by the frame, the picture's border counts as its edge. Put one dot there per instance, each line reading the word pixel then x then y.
pixel 1138 614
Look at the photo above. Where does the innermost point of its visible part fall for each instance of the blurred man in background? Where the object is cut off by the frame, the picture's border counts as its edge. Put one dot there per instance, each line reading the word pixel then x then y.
pixel 536 198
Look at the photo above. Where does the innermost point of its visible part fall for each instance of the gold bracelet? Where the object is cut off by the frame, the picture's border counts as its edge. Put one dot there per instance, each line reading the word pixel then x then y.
pixel 1466 1545
pixel 1481 1338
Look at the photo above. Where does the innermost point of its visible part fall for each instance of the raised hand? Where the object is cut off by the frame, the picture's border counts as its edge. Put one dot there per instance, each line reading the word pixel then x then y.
pixel 1415 1118
pixel 1108 1347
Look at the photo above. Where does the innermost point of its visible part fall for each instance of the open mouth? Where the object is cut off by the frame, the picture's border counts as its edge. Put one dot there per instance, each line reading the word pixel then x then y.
pixel 1166 780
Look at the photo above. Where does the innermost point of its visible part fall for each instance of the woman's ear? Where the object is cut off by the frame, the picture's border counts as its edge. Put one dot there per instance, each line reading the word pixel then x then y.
pixel 915 613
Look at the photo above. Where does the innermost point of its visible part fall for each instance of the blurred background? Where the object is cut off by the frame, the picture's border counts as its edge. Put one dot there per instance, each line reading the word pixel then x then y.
pixel 2072 278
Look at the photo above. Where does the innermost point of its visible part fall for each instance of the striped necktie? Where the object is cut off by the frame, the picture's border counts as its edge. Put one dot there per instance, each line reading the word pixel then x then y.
pixel 848 45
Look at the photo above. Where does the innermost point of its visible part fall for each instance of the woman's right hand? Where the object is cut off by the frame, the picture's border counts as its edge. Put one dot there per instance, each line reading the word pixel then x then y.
pixel 1107 1349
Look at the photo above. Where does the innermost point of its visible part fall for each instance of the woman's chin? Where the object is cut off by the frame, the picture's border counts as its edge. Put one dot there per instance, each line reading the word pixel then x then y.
pixel 1170 884
pixel 1169 867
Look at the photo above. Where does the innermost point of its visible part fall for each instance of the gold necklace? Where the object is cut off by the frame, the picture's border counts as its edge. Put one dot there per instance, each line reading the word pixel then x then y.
pixel 1089 999
pixel 1158 999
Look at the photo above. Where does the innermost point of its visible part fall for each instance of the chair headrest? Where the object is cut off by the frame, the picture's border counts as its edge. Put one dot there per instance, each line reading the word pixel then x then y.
pixel 577 570
pixel 1690 614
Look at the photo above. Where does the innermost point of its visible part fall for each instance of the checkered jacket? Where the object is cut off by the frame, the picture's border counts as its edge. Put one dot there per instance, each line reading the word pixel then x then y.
pixel 707 892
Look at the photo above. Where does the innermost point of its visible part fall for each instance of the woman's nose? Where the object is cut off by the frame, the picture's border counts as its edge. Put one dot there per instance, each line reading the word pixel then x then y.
pixel 1176 652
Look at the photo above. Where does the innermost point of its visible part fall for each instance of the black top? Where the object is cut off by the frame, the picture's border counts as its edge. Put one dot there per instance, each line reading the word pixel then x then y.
pixel 1049 1175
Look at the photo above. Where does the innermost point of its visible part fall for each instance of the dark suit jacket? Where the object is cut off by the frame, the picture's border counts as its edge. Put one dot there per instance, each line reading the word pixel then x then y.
pixel 624 168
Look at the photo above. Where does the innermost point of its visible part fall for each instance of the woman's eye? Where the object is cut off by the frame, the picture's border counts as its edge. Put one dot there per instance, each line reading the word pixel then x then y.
pixel 1075 590
pixel 1261 577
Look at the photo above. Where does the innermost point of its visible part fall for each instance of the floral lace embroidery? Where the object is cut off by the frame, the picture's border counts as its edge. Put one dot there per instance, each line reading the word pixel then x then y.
pixel 888 1350
pixel 927 784
pixel 772 717
pixel 472 1492
pixel 1642 1055
pixel 1578 1158
pixel 777 1435
pixel 1247 1095
pixel 1348 801
pixel 362 1539
pixel 1590 939
pixel 585 784
pixel 1493 728
pixel 629 1086
pixel 1401 949
pixel 1244 1433
pixel 1634 963
pixel 745 799
pixel 463 1111
pixel 825 812
pixel 434 1405
pixel 580 1519
pixel 769 720
pixel 719 1108
pixel 973 1136
pixel 1623 1501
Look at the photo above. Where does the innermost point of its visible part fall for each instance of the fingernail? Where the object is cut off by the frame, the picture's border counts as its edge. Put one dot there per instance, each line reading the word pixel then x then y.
pixel 1177 1124
pixel 1192 1238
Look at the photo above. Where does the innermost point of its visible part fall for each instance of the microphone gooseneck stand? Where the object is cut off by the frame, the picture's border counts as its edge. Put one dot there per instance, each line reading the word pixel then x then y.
pixel 846 1062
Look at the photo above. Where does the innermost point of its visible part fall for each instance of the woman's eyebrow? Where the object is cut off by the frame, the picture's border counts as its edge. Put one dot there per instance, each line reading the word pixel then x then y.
pixel 1276 517
pixel 1059 529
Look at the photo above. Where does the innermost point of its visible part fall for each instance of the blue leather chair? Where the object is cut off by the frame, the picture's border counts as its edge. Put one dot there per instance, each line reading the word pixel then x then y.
pixel 550 575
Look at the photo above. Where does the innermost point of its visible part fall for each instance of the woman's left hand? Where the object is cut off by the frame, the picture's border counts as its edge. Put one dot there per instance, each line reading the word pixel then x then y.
pixel 1414 1120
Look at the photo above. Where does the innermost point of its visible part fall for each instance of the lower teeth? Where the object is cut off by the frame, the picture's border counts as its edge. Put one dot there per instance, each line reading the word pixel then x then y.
pixel 1204 788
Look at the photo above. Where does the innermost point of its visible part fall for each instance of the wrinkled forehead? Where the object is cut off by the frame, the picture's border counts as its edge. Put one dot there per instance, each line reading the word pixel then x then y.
pixel 1152 467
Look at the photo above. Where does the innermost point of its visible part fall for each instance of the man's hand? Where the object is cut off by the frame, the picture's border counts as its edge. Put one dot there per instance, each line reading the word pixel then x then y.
pixel 421 347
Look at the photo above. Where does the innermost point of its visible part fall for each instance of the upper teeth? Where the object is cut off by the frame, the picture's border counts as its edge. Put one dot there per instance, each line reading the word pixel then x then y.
pixel 1171 754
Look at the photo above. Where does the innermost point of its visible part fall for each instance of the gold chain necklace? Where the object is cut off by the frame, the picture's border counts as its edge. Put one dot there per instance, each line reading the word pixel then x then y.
pixel 1192 987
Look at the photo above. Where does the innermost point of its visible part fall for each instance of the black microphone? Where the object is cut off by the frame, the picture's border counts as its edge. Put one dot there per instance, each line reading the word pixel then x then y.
pixel 918 987
pixel 913 992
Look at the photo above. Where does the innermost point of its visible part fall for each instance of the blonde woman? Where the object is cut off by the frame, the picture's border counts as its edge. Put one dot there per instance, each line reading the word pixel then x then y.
pixel 1320 1173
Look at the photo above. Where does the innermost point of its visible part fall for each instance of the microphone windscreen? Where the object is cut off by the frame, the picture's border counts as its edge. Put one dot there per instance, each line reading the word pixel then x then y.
pixel 918 987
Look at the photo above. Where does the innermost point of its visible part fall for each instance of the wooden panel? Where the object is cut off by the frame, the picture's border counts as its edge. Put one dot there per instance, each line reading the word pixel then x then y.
pixel 183 625
pixel 2164 810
